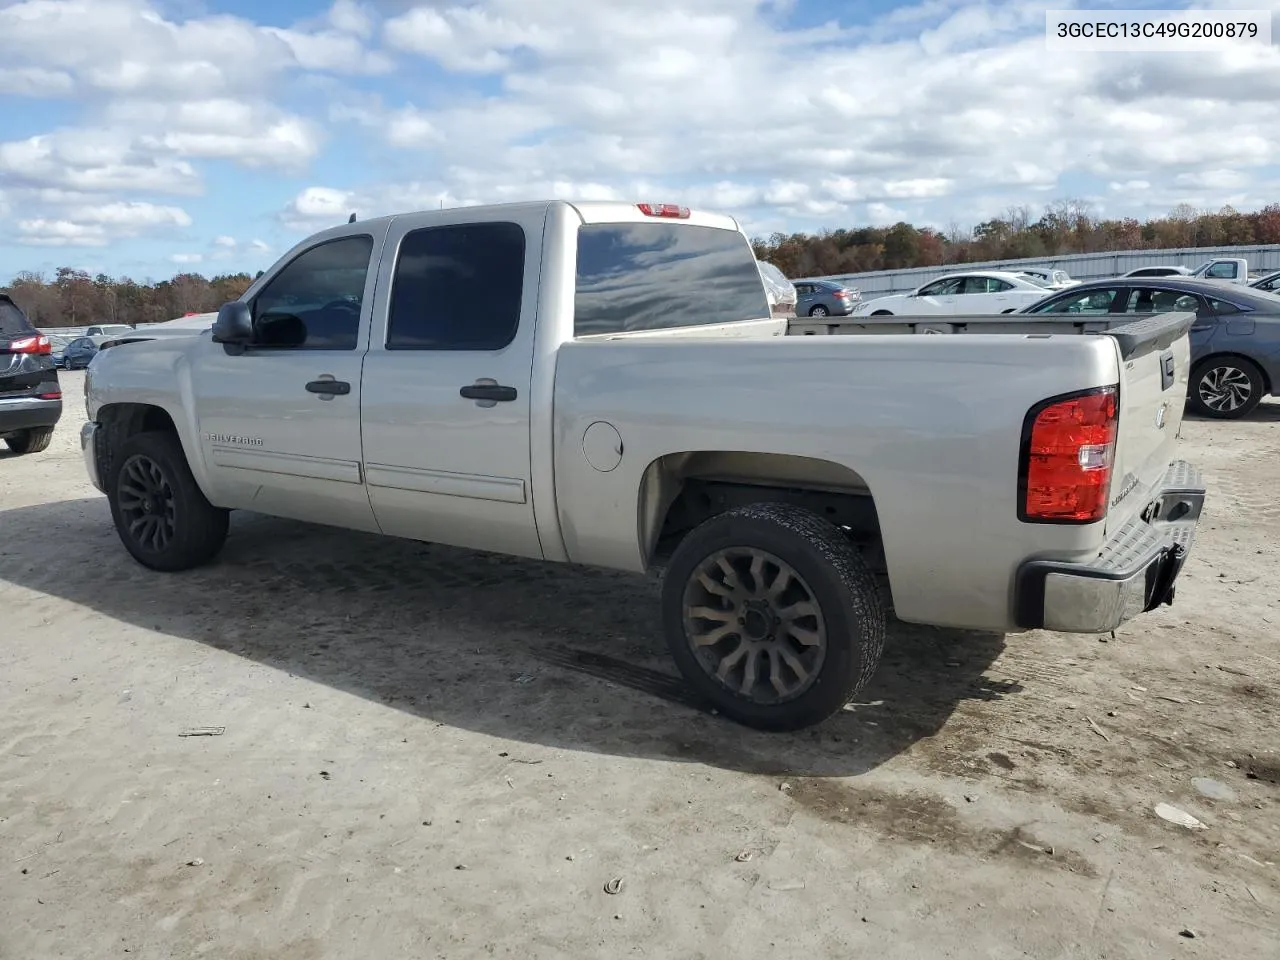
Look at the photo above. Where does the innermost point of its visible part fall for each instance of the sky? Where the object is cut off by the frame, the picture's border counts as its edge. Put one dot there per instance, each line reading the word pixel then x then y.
pixel 150 137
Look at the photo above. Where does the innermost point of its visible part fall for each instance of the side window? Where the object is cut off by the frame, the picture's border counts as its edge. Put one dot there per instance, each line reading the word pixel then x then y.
pixel 803 289
pixel 457 287
pixel 942 288
pixel 1222 271
pixel 314 302
pixel 976 285
pixel 998 286
pixel 1222 308
pixel 656 276
pixel 1088 303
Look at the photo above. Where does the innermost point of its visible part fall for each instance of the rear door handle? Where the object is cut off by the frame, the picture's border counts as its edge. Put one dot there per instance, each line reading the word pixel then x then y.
pixel 492 392
pixel 329 388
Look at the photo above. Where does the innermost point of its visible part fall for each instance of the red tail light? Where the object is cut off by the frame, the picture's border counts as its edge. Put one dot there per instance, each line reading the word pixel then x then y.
pixel 1068 449
pixel 841 294
pixel 55 395
pixel 37 344
pixel 664 210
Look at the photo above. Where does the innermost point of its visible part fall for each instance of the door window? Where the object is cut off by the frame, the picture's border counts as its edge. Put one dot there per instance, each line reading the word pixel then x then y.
pixel 1222 271
pixel 943 288
pixel 976 285
pixel 314 302
pixel 1086 303
pixel 1154 300
pixel 457 287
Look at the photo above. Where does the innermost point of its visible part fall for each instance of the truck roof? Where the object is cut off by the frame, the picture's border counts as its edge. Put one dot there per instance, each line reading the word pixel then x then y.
pixel 591 211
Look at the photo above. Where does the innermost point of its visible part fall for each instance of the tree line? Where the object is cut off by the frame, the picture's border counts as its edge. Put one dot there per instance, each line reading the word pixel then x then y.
pixel 72 298
pixel 1065 227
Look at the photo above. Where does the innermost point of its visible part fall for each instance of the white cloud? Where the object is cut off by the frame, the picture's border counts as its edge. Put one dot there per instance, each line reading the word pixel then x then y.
pixel 347 16
pixel 946 109
pixel 35 82
pixel 96 226
pixel 60 233
pixel 227 243
pixel 186 258
pixel 92 160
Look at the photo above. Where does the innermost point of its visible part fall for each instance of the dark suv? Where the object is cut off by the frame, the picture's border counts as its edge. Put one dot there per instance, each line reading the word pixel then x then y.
pixel 30 397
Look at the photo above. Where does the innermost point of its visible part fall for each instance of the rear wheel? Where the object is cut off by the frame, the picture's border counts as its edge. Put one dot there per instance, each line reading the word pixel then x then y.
pixel 819 311
pixel 772 616
pixel 31 441
pixel 160 513
pixel 1226 388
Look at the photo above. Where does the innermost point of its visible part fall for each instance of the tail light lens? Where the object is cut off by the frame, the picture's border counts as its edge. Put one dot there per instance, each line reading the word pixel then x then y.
pixel 841 294
pixel 1068 449
pixel 36 344
pixel 52 395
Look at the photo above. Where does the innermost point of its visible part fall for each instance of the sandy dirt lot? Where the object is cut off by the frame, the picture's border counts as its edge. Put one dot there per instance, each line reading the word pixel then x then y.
pixel 433 753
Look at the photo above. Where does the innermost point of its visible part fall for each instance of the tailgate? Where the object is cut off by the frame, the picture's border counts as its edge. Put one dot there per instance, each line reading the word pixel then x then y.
pixel 1155 361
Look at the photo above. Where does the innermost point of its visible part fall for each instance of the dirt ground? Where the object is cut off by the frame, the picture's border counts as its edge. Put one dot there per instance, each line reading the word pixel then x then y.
pixel 433 753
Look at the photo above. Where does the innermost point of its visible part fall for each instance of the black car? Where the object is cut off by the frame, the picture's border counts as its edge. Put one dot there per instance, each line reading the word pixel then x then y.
pixel 30 397
pixel 1235 341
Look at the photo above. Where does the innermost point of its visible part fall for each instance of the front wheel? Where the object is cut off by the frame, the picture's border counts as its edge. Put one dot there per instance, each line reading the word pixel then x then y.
pixel 772 616
pixel 1225 388
pixel 160 513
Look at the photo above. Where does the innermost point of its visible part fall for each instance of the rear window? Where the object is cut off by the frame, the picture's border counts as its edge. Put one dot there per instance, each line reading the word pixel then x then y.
pixel 13 322
pixel 656 276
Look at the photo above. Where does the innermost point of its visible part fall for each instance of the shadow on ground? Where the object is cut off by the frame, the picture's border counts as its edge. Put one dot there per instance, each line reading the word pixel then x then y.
pixel 1266 412
pixel 562 657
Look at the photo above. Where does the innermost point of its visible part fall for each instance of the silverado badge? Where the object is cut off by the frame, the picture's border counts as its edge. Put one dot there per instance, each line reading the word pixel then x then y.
pixel 230 438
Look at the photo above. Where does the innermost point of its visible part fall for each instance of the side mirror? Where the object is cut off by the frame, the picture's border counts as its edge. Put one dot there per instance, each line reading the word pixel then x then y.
pixel 234 326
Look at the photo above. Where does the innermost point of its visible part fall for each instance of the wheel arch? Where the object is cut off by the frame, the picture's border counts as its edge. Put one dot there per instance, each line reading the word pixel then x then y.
pixel 680 490
pixel 118 421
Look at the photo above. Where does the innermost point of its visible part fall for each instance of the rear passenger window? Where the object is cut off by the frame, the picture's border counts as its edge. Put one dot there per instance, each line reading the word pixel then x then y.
pixel 457 287
pixel 655 276
pixel 1222 308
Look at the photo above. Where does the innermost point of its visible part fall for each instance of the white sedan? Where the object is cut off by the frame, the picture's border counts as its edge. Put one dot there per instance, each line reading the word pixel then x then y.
pixel 987 291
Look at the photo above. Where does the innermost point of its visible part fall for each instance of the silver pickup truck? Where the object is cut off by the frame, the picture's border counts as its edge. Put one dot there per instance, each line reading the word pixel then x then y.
pixel 605 384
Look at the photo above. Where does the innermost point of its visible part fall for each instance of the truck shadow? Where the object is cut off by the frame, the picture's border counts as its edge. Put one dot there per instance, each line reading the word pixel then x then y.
pixel 549 655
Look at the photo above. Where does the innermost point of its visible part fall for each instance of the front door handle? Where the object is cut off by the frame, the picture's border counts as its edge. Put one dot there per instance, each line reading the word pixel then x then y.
pixel 492 392
pixel 328 388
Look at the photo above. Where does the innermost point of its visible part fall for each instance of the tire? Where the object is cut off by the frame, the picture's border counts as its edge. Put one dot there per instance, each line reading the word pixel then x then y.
pixel 152 482
pixel 1225 388
pixel 819 311
pixel 34 440
pixel 838 647
pixel 882 313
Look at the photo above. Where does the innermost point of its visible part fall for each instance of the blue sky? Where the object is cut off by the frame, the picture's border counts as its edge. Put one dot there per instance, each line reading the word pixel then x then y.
pixel 148 137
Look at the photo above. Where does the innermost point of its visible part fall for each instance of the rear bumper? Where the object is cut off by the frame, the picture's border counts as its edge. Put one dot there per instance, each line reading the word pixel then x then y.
pixel 1134 573
pixel 89 450
pixel 24 413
